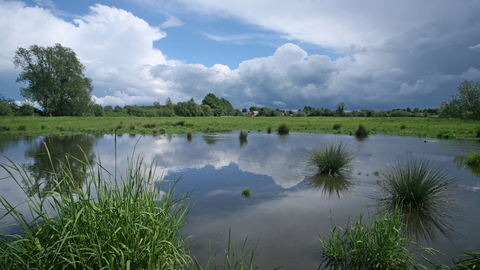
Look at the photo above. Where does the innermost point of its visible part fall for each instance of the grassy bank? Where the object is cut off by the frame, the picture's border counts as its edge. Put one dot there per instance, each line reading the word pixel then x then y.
pixel 401 126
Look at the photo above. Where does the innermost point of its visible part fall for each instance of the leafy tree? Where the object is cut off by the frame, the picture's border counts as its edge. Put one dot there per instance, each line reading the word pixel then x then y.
pixel 238 112
pixel 244 110
pixel 341 108
pixel 168 103
pixel 7 106
pixel 25 110
pixel 207 111
pixel 465 104
pixel 55 79
pixel 118 109
pixel 108 108
pixel 308 109
pixel 220 107
pixel 253 108
pixel 97 110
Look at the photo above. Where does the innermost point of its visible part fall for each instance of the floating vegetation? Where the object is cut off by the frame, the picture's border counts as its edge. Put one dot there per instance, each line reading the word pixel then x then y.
pixel 416 183
pixel 283 129
pixel 246 193
pixel 331 159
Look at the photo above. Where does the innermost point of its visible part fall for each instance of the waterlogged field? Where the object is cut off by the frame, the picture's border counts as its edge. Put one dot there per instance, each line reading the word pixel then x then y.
pixel 401 126
pixel 287 205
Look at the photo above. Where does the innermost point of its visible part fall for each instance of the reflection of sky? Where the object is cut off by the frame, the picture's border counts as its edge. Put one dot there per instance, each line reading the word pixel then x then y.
pixel 282 212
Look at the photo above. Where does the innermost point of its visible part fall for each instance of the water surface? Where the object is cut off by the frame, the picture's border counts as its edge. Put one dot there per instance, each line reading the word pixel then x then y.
pixel 287 207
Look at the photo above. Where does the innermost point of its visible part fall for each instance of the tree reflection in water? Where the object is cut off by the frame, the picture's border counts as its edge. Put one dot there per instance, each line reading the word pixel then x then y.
pixel 46 167
pixel 331 185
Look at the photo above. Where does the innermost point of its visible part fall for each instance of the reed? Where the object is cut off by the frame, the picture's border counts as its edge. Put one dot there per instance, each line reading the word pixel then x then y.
pixel 125 223
pixel 473 160
pixel 416 182
pixel 283 129
pixel 335 158
pixel 379 244
pixel 243 135
pixel 362 131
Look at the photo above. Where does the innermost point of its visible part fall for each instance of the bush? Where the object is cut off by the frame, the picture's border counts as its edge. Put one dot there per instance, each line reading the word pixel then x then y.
pixel 43 126
pixel 61 128
pixel 269 130
pixel 148 125
pixel 189 135
pixel 378 245
pixel 5 128
pixel 283 129
pixel 416 182
pixel 162 131
pixel 336 126
pixel 334 158
pixel 243 135
pixel 126 223
pixel 362 131
pixel 402 127
pixel 131 126
pixel 178 123
pixel 22 128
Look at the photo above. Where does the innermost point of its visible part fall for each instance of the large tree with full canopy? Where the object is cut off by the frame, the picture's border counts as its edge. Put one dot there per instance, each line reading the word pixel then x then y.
pixel 55 79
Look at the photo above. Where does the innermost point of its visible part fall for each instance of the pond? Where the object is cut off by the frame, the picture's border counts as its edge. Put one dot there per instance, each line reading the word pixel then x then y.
pixel 287 208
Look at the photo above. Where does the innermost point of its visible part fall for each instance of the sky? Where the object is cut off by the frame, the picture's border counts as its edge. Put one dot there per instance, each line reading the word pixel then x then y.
pixel 284 54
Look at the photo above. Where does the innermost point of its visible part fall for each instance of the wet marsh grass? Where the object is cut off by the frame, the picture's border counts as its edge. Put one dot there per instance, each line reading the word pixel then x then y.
pixel 417 127
pixel 283 129
pixel 361 131
pixel 246 193
pixel 125 223
pixel 336 126
pixel 473 160
pixel 243 135
pixel 414 183
pixel 334 158
pixel 378 244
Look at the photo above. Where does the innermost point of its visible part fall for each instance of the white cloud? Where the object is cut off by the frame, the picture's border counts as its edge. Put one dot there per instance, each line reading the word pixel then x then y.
pixel 172 21
pixel 475 48
pixel 279 103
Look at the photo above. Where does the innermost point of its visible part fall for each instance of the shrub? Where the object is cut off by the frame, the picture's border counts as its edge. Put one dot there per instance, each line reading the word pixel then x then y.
pixel 473 160
pixel 178 123
pixel 378 245
pixel 125 223
pixel 243 135
pixel 402 127
pixel 22 128
pixel 61 128
pixel 336 126
pixel 162 131
pixel 334 158
pixel 246 193
pixel 189 135
pixel 416 182
pixel 118 127
pixel 5 128
pixel 362 131
pixel 148 125
pixel 131 126
pixel 43 126
pixel 283 129
pixel 269 130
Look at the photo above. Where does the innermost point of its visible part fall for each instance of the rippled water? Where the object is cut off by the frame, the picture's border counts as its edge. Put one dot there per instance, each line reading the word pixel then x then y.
pixel 287 207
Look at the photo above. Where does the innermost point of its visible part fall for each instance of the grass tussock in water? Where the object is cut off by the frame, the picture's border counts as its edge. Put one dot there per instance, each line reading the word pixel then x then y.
pixel 415 183
pixel 331 159
pixel 243 135
pixel 473 160
pixel 125 223
pixel 379 244
pixel 283 129
pixel 361 131
pixel 246 193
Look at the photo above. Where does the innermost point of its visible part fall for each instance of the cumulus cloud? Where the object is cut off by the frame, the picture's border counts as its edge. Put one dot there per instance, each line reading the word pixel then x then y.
pixel 475 48
pixel 172 21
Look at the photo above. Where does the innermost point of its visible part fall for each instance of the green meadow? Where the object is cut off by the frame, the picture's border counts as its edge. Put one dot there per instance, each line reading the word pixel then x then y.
pixel 443 128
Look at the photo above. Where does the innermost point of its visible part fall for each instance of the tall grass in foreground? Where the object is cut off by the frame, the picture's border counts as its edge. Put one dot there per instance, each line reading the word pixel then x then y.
pixel 416 183
pixel 125 223
pixel 335 158
pixel 379 244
